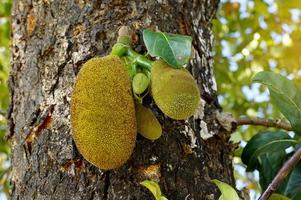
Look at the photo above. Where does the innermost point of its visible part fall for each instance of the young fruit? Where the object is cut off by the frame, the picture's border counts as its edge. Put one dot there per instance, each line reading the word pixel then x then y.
pixel 140 83
pixel 103 118
pixel 174 91
pixel 147 124
pixel 119 49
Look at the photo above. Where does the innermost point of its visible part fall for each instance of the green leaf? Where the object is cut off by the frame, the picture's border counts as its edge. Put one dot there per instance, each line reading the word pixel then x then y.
pixel 297 195
pixel 172 48
pixel 276 196
pixel 293 183
pixel 228 193
pixel 265 142
pixel 154 188
pixel 270 163
pixel 285 95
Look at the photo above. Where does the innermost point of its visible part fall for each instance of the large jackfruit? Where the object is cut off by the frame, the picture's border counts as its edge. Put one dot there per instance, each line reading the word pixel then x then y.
pixel 147 124
pixel 174 91
pixel 103 113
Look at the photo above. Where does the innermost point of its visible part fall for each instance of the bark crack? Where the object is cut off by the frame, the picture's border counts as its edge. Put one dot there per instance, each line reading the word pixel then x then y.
pixel 106 186
pixel 11 122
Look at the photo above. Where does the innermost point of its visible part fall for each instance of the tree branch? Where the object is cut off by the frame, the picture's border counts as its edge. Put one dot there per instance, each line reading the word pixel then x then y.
pixel 282 173
pixel 264 122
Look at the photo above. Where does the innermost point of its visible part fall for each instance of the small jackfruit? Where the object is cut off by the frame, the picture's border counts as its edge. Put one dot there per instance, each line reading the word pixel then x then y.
pixel 119 49
pixel 140 83
pixel 103 118
pixel 147 124
pixel 174 91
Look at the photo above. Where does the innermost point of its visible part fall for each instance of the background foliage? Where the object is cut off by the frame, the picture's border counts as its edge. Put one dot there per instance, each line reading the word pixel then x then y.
pixel 5 7
pixel 252 36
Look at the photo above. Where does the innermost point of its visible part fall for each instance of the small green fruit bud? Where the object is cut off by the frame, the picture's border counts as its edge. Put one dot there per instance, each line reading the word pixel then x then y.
pixel 147 123
pixel 140 83
pixel 119 49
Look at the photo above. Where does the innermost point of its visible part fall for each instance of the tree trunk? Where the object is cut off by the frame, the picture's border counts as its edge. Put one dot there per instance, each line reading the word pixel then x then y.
pixel 51 40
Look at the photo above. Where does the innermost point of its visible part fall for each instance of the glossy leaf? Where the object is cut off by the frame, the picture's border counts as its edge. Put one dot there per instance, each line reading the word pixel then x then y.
pixel 292 186
pixel 285 95
pixel 265 142
pixel 228 193
pixel 297 195
pixel 174 49
pixel 269 165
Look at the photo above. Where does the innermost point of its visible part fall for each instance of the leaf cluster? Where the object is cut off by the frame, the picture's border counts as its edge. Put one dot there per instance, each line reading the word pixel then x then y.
pixel 267 151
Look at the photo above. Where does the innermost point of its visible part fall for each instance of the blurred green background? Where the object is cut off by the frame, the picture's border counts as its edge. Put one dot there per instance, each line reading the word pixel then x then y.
pixel 251 36
pixel 5 7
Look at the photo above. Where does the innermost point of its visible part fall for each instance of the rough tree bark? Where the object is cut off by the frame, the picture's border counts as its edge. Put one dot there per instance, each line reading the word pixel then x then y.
pixel 51 40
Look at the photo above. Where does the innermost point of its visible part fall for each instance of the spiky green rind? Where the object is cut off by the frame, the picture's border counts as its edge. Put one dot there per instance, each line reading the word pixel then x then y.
pixel 103 118
pixel 147 124
pixel 174 91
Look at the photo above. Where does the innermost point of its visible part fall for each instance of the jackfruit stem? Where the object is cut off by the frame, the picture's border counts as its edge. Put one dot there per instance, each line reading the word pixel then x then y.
pixel 123 48
pixel 134 68
pixel 124 39
pixel 124 31
pixel 124 36
pixel 139 59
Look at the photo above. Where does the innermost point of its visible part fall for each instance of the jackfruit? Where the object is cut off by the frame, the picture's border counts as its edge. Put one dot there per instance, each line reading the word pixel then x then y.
pixel 119 50
pixel 140 83
pixel 147 123
pixel 103 117
pixel 174 90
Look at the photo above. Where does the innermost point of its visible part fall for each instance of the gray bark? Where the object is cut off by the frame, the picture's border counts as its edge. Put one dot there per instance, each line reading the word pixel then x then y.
pixel 51 40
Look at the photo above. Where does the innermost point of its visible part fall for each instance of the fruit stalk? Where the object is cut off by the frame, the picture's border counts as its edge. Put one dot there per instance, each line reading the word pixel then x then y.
pixel 139 59
pixel 123 48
